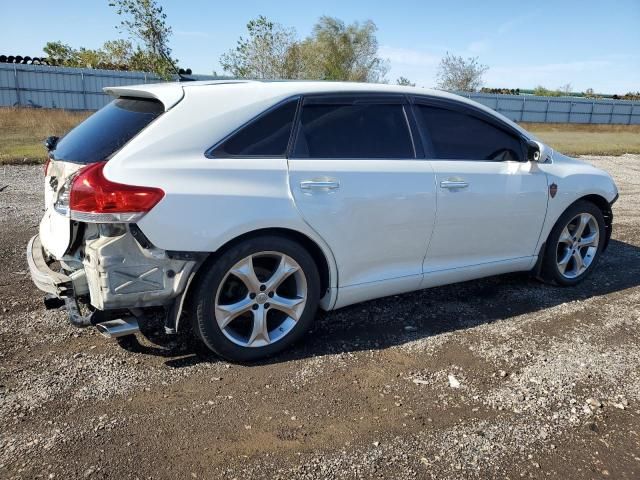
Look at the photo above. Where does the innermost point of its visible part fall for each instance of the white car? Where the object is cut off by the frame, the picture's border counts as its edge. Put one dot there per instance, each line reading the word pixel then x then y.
pixel 240 207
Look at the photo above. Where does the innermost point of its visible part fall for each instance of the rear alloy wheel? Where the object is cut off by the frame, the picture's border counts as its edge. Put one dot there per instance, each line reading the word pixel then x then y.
pixel 261 299
pixel 574 245
pixel 258 298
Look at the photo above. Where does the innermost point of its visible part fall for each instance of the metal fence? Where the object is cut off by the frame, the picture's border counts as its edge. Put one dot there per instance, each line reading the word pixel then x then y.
pixel 530 108
pixel 81 89
pixel 42 86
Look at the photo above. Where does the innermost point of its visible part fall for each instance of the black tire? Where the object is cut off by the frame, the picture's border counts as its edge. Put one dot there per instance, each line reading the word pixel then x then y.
pixel 550 272
pixel 205 324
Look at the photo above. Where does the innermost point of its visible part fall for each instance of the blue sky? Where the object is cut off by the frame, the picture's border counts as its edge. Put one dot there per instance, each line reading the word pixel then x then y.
pixel 586 43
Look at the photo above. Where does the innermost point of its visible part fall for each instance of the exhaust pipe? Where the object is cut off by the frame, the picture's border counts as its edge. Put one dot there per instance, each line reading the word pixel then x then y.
pixel 118 328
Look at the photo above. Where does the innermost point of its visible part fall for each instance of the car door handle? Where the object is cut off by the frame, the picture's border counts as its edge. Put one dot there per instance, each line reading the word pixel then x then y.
pixel 453 184
pixel 319 185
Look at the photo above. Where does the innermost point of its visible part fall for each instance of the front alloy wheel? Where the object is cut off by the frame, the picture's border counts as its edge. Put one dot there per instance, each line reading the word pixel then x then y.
pixel 577 245
pixel 257 298
pixel 574 244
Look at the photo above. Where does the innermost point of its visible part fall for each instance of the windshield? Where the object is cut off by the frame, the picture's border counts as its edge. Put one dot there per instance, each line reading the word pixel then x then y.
pixel 107 130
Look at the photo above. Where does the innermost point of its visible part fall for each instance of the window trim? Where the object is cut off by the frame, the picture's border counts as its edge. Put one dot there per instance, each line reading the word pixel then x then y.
pixel 212 152
pixel 470 110
pixel 359 98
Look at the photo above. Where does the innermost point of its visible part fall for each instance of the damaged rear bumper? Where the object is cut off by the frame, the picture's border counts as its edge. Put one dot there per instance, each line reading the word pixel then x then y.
pixel 46 279
pixel 113 270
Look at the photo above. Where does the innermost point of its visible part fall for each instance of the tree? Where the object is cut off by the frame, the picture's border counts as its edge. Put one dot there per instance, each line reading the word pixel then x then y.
pixel 145 21
pixel 459 74
pixel 336 51
pixel 270 51
pixel 59 53
pixel 87 58
pixel 113 54
pixel 545 92
pixel 565 89
pixel 405 82
pixel 117 52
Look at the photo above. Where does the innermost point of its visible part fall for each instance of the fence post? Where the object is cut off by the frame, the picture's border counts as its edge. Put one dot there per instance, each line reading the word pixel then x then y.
pixel 524 100
pixel 570 111
pixel 613 105
pixel 84 91
pixel 593 107
pixel 17 85
pixel 546 112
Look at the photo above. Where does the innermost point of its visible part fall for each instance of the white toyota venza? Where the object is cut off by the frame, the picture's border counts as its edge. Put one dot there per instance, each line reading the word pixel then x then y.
pixel 237 208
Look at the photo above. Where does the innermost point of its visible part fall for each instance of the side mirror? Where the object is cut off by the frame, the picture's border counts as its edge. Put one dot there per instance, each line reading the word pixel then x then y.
pixel 538 152
pixel 533 151
pixel 51 142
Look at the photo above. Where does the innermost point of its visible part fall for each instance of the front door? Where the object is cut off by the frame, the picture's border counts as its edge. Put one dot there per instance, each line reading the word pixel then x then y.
pixel 356 181
pixel 491 201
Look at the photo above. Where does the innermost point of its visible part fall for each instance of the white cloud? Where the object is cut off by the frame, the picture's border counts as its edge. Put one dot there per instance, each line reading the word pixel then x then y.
pixel 408 56
pixel 551 75
pixel 417 65
pixel 478 46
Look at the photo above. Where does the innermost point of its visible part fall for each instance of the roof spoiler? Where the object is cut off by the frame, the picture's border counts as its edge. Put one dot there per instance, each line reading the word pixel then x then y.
pixel 167 93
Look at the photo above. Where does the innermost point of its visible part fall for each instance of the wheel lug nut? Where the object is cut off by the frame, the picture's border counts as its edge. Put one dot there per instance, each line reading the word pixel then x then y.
pixel 255 306
pixel 263 288
pixel 267 305
pixel 252 295
pixel 270 294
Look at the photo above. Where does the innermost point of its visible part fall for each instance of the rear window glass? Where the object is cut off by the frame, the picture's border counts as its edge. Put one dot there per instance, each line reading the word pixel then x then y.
pixel 268 135
pixel 107 130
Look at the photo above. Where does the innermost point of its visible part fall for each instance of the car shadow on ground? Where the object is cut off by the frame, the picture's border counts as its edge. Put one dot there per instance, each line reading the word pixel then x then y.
pixel 399 319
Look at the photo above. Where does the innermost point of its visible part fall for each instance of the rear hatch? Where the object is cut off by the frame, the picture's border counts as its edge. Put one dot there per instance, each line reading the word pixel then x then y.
pixel 96 139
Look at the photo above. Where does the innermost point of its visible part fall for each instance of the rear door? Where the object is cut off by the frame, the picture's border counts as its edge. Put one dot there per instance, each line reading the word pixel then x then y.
pixel 94 140
pixel 491 201
pixel 356 180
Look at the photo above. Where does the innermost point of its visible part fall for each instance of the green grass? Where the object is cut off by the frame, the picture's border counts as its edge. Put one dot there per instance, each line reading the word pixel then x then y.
pixel 572 139
pixel 22 131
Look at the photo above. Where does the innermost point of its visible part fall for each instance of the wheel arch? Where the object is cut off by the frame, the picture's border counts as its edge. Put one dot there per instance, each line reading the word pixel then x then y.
pixel 605 207
pixel 600 202
pixel 322 259
pixel 315 250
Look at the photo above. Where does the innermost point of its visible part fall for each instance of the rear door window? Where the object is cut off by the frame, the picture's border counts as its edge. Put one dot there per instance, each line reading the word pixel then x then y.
pixel 266 136
pixel 107 130
pixel 457 135
pixel 353 131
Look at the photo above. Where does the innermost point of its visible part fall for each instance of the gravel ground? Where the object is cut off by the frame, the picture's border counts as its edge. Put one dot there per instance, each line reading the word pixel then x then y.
pixel 498 378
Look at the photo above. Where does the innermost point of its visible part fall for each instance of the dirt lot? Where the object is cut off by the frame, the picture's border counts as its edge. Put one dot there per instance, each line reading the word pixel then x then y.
pixel 549 380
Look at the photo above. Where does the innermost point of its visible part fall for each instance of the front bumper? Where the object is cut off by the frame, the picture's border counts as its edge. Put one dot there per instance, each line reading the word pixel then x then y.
pixel 43 277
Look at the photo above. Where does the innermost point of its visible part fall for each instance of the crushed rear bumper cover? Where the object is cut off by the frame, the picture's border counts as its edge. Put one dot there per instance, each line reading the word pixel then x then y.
pixel 43 277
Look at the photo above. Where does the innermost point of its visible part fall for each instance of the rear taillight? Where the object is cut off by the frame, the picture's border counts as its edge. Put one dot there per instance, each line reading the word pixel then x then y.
pixel 89 197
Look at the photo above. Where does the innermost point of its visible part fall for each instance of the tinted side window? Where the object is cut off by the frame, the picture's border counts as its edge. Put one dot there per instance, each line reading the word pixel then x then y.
pixel 450 134
pixel 107 130
pixel 268 135
pixel 353 131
